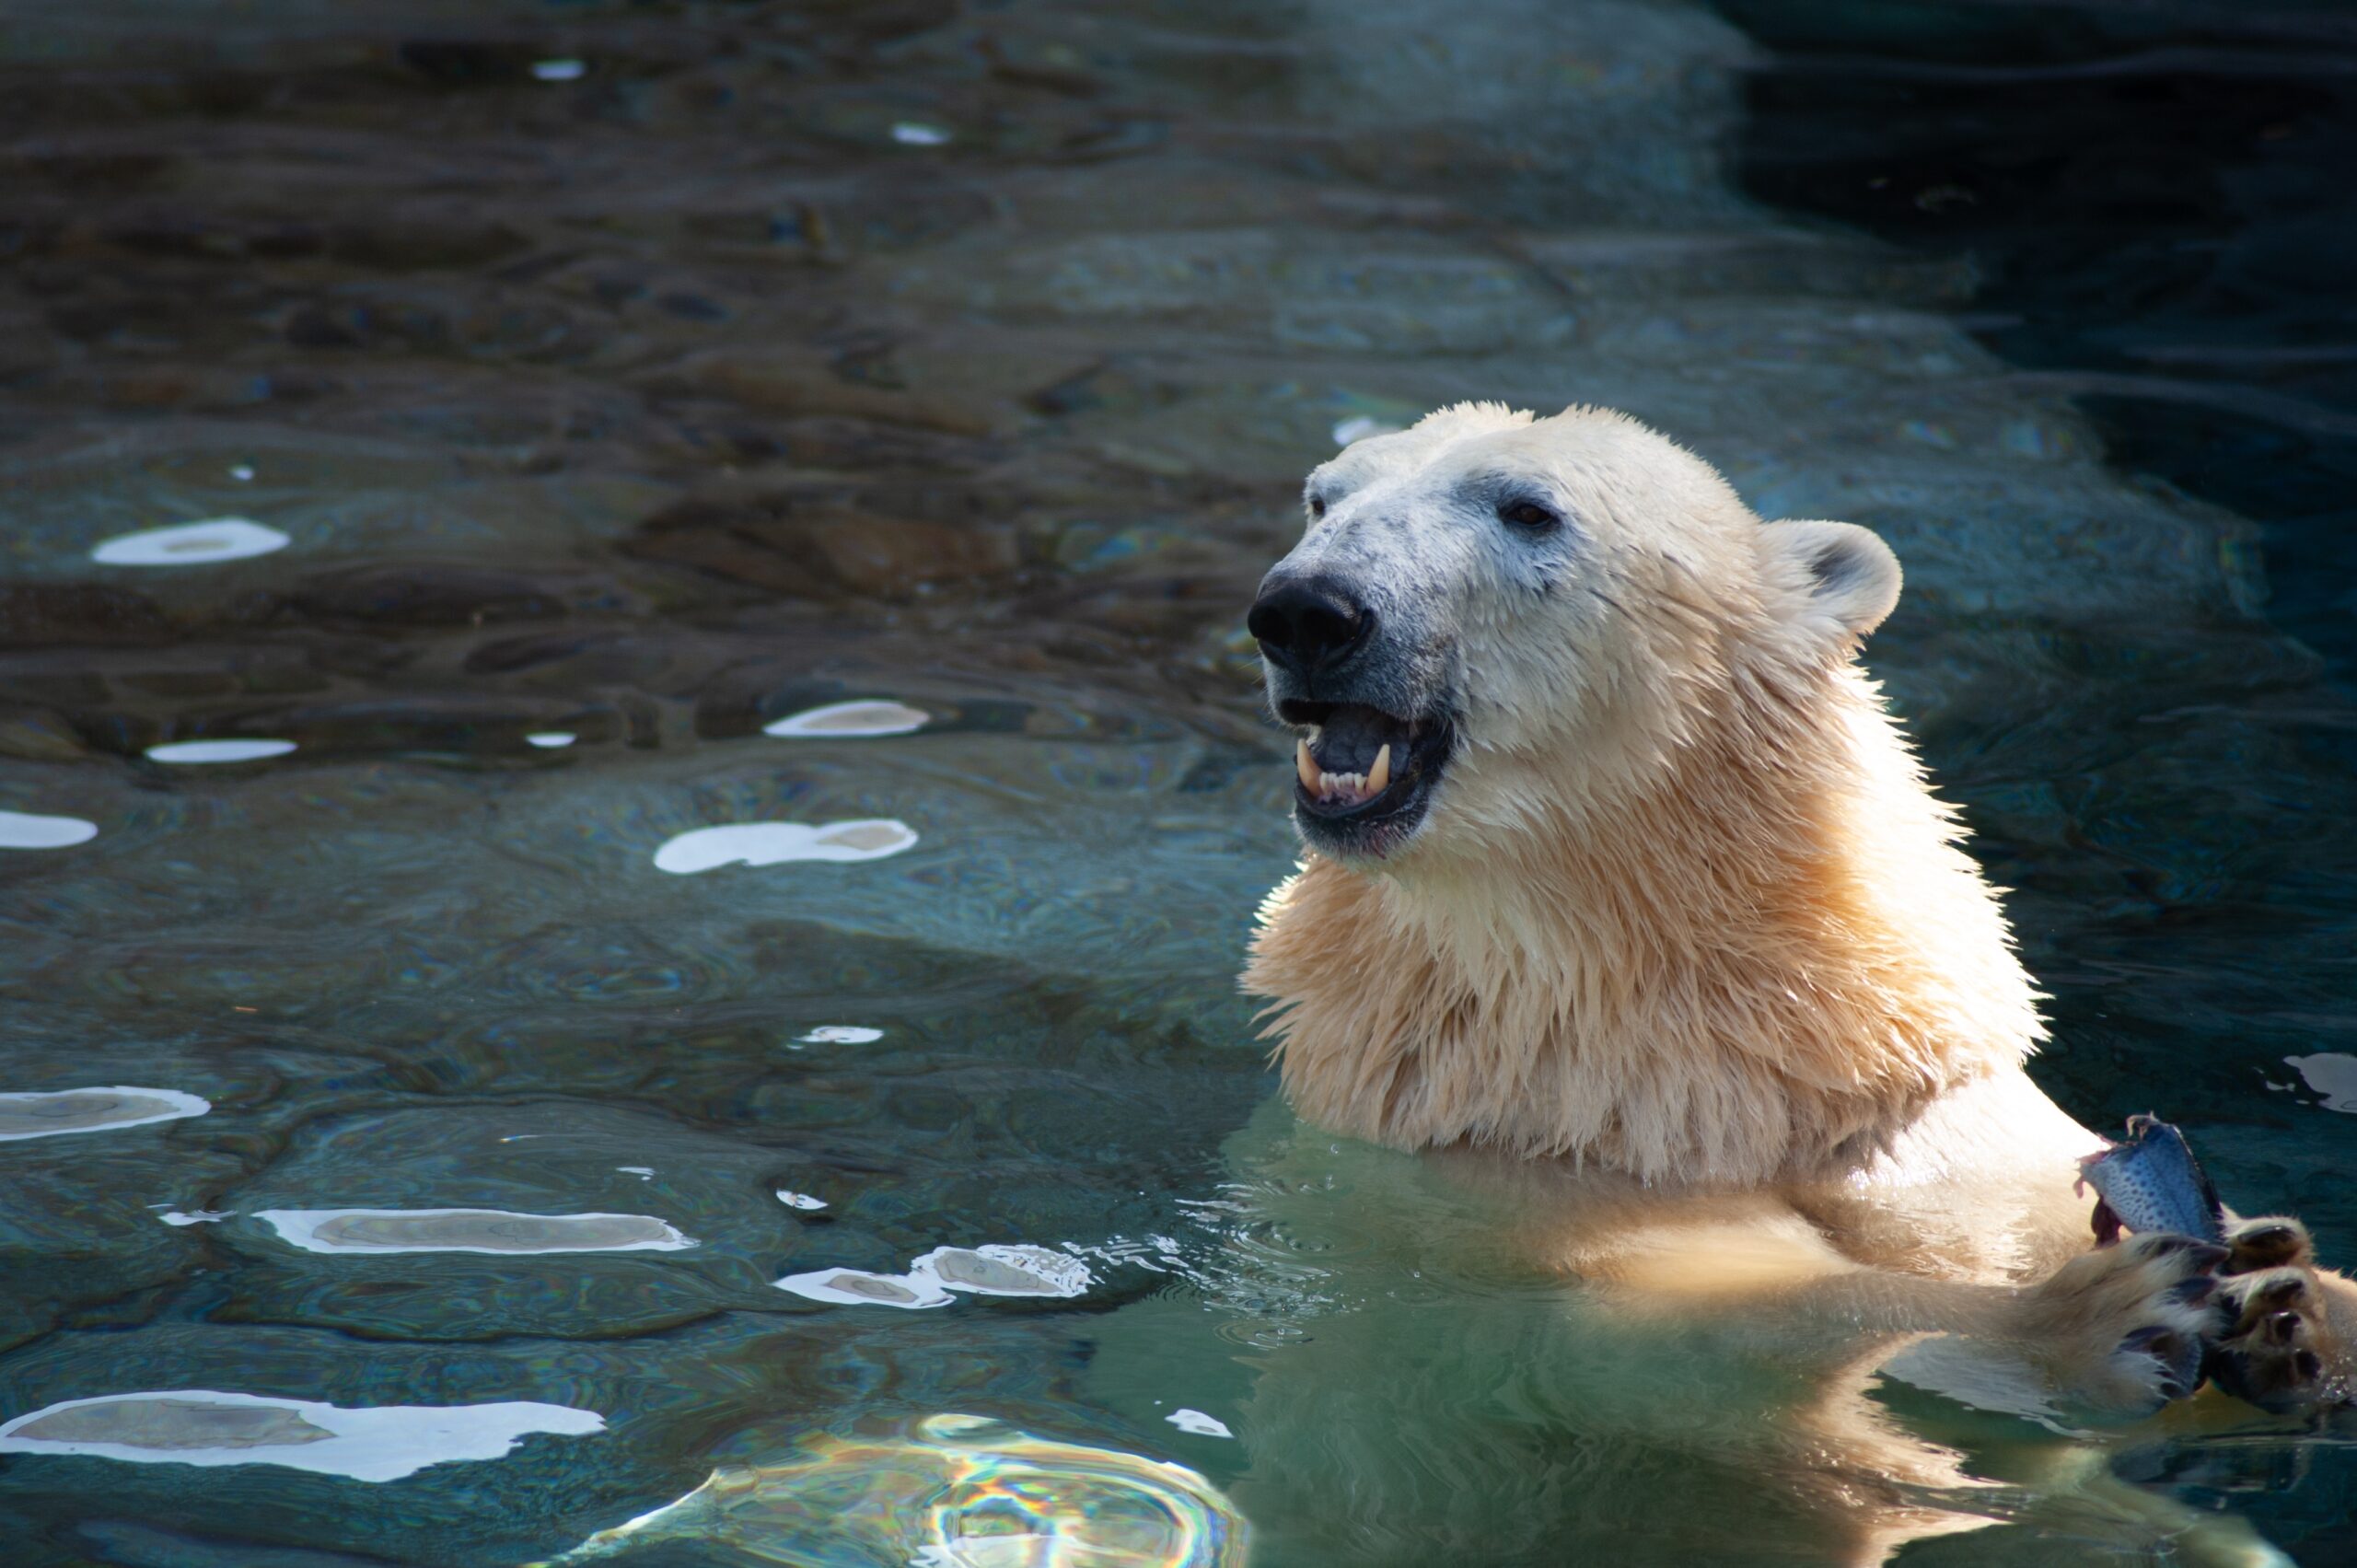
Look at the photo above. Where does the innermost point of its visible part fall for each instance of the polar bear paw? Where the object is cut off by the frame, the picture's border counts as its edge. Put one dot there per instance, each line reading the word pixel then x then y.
pixel 2123 1330
pixel 2270 1338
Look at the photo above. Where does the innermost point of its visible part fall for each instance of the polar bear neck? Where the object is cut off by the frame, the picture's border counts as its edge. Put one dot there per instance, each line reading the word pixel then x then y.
pixel 1763 964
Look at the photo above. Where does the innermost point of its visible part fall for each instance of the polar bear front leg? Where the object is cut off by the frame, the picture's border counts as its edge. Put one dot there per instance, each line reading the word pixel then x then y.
pixel 2123 1330
pixel 2282 1339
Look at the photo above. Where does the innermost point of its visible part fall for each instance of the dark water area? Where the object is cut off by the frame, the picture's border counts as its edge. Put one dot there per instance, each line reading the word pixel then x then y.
pixel 2156 203
pixel 2153 206
pixel 2155 209
pixel 522 428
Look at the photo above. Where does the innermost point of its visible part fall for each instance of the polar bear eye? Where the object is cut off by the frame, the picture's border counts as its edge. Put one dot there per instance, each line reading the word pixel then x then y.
pixel 1528 515
pixel 1317 506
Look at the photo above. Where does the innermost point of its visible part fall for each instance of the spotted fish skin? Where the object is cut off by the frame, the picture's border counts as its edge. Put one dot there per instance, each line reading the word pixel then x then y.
pixel 2149 1181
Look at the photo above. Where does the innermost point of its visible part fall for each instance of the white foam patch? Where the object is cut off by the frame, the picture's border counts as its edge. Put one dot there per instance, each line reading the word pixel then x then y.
pixel 799 1200
pixel 851 719
pixel 1199 1424
pixel 2331 1074
pixel 382 1231
pixel 1019 1270
pixel 55 1112
pixel 551 739
pixel 559 70
pixel 201 1216
pixel 915 133
pixel 24 830
pixel 186 752
pixel 842 1034
pixel 191 545
pixel 770 843
pixel 206 1427
pixel 857 1287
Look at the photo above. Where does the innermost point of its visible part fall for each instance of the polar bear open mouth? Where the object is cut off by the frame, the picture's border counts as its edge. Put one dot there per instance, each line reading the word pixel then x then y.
pixel 1362 777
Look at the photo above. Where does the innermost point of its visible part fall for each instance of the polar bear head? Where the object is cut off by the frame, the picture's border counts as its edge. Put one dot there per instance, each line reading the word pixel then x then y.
pixel 1495 623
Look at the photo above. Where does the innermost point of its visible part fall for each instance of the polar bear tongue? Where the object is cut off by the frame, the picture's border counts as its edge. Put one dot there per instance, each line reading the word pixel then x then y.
pixel 1352 735
pixel 1343 789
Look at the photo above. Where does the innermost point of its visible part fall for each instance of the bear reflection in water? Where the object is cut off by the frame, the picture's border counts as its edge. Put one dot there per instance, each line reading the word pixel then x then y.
pixel 949 1491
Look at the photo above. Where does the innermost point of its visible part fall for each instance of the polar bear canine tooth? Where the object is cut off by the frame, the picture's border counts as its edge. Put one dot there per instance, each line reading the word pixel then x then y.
pixel 1346 789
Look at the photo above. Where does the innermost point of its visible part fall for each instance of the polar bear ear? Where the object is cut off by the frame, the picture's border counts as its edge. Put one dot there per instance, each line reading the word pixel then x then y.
pixel 1850 575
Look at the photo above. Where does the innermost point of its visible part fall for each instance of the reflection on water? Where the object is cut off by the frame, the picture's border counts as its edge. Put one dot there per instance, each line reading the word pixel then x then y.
pixel 730 436
pixel 2330 1073
pixel 47 1114
pixel 471 1230
pixel 1004 1271
pixel 27 830
pixel 199 751
pixel 841 1034
pixel 857 1287
pixel 851 718
pixel 770 843
pixel 990 1269
pixel 955 1491
pixel 190 544
pixel 200 1427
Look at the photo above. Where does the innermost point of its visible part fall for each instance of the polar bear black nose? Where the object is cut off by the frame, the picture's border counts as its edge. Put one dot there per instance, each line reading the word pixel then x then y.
pixel 1307 624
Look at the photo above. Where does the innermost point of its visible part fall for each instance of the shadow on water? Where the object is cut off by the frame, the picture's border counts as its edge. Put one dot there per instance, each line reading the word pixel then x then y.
pixel 460 460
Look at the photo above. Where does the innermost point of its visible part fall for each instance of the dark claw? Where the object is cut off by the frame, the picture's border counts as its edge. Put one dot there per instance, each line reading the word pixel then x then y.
pixel 2180 1360
pixel 2281 1326
pixel 2200 1254
pixel 2264 1247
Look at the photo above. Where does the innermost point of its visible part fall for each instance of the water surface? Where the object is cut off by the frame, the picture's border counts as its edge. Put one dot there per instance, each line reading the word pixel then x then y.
pixel 751 701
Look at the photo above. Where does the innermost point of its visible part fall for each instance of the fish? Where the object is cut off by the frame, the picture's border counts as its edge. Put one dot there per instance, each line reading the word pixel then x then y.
pixel 2149 1181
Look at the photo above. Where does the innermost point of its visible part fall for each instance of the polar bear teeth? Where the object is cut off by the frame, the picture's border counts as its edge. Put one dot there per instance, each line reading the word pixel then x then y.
pixel 1353 788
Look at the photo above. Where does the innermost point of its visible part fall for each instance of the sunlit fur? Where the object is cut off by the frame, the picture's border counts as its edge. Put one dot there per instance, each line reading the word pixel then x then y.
pixel 1687 983
pixel 1685 905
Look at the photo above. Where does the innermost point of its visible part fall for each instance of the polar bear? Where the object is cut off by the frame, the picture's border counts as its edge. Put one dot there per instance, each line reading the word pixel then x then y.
pixel 1623 893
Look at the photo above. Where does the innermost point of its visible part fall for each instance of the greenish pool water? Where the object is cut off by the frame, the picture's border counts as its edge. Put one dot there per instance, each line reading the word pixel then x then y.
pixel 458 464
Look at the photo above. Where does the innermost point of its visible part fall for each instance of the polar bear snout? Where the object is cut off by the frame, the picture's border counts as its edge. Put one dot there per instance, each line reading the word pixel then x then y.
pixel 1308 625
pixel 1370 740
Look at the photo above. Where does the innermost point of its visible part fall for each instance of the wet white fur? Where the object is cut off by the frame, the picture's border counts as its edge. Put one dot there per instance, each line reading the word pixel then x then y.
pixel 1684 905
